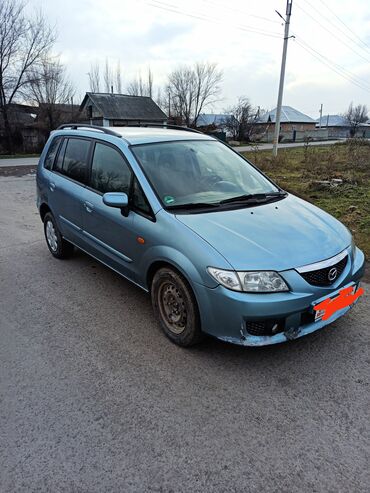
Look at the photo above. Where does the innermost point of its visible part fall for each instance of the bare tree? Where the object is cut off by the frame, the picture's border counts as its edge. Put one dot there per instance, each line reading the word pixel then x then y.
pixel 242 119
pixel 118 78
pixel 207 86
pixel 355 115
pixel 50 87
pixel 108 77
pixel 23 43
pixel 94 77
pixel 138 87
pixel 192 89
pixel 135 87
pixel 150 83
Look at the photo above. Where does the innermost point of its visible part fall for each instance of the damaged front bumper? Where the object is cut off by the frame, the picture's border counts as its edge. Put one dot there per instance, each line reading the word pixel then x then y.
pixel 239 318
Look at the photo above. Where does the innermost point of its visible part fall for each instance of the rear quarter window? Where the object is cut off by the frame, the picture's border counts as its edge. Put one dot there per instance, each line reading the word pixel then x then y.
pixel 50 156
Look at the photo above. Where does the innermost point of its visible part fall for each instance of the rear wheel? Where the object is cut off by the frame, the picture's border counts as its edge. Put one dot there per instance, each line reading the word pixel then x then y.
pixel 175 305
pixel 58 246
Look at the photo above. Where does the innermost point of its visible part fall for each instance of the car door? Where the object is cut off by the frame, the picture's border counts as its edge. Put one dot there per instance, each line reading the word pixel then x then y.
pixel 66 184
pixel 109 235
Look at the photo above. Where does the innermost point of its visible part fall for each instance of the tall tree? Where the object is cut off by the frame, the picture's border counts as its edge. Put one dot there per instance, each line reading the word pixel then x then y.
pixel 355 115
pixel 23 42
pixel 118 78
pixel 108 77
pixel 193 88
pixel 49 87
pixel 139 87
pixel 94 77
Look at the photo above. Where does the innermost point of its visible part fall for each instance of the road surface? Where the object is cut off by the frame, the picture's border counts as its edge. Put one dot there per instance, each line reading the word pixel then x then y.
pixel 93 398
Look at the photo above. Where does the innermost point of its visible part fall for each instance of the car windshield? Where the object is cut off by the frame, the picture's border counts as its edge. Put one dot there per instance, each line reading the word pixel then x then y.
pixel 200 173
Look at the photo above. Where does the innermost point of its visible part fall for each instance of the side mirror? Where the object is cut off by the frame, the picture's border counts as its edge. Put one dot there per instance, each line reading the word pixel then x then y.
pixel 118 200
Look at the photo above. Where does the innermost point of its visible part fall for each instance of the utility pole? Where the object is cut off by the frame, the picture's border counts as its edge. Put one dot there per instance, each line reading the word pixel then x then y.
pixel 320 115
pixel 289 4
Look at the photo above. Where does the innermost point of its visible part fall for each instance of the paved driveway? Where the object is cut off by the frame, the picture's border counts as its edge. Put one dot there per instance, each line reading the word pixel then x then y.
pixel 94 399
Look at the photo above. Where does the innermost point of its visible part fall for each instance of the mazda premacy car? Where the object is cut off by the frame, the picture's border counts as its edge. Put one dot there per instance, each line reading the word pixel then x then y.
pixel 220 247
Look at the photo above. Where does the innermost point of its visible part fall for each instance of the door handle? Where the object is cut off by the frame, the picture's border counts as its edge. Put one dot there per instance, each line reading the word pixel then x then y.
pixel 88 206
pixel 52 186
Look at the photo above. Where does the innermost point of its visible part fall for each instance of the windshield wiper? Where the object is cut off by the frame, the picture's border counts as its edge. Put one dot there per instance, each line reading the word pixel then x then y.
pixel 254 197
pixel 193 205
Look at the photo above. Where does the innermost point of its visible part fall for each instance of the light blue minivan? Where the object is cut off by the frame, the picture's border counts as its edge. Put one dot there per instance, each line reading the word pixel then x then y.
pixel 221 248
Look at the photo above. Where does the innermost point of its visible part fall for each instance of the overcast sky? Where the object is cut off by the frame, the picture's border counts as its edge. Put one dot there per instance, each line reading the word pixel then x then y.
pixel 140 33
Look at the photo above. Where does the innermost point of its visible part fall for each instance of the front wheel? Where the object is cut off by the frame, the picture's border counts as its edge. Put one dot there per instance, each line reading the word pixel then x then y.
pixel 175 305
pixel 58 246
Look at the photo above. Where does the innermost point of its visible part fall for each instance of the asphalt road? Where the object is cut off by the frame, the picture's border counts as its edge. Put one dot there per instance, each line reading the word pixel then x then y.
pixel 95 399
pixel 32 161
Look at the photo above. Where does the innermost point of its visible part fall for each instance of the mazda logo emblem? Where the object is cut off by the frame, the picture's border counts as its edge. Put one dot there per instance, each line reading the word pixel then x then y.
pixel 332 274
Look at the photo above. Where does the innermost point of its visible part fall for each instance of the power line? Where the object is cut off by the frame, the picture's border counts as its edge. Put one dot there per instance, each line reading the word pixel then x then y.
pixel 345 25
pixel 207 18
pixel 334 35
pixel 350 74
pixel 341 71
pixel 240 11
pixel 340 29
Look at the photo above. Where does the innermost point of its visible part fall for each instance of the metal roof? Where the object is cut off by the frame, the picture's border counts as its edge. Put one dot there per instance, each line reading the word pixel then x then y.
pixel 205 119
pixel 288 115
pixel 124 107
pixel 332 121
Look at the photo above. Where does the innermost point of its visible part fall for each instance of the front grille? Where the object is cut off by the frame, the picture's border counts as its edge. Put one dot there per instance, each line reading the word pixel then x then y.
pixel 264 327
pixel 321 277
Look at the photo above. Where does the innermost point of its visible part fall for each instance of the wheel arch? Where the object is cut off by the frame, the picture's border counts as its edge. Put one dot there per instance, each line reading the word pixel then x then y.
pixel 44 209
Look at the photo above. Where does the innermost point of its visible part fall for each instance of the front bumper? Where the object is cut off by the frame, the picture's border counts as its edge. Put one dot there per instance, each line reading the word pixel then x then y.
pixel 225 314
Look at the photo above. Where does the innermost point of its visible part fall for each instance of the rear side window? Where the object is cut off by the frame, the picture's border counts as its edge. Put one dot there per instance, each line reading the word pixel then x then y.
pixel 109 171
pixel 58 163
pixel 50 156
pixel 76 159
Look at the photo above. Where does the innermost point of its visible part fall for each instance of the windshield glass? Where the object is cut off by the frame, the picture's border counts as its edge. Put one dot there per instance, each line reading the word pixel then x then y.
pixel 199 172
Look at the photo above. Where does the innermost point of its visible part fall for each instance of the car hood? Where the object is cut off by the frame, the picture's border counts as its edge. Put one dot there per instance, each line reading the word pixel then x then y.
pixel 275 236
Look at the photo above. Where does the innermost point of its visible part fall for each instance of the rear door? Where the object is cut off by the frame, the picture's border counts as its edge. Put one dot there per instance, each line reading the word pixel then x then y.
pixel 110 235
pixel 67 181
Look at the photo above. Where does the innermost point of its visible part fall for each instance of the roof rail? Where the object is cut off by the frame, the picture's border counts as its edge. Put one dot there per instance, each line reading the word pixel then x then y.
pixel 75 126
pixel 165 125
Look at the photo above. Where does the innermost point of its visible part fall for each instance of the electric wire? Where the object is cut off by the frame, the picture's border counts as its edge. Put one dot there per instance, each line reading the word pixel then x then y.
pixel 333 34
pixel 240 11
pixel 207 18
pixel 345 25
pixel 338 69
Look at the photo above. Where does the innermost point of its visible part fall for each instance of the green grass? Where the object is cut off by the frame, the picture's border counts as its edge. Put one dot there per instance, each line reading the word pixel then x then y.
pixel 297 170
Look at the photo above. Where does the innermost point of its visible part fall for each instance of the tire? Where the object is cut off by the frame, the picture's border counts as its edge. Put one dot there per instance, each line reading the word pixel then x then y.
pixel 176 308
pixel 58 246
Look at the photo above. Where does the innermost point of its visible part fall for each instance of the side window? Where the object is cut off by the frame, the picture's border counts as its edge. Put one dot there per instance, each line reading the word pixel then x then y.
pixel 58 163
pixel 139 201
pixel 50 156
pixel 109 172
pixel 75 163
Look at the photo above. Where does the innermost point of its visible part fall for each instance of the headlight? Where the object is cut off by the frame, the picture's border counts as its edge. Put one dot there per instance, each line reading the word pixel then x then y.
pixel 250 282
pixel 262 282
pixel 227 278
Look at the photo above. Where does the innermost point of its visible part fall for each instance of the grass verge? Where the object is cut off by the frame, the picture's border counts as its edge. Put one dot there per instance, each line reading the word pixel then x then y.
pixel 302 170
